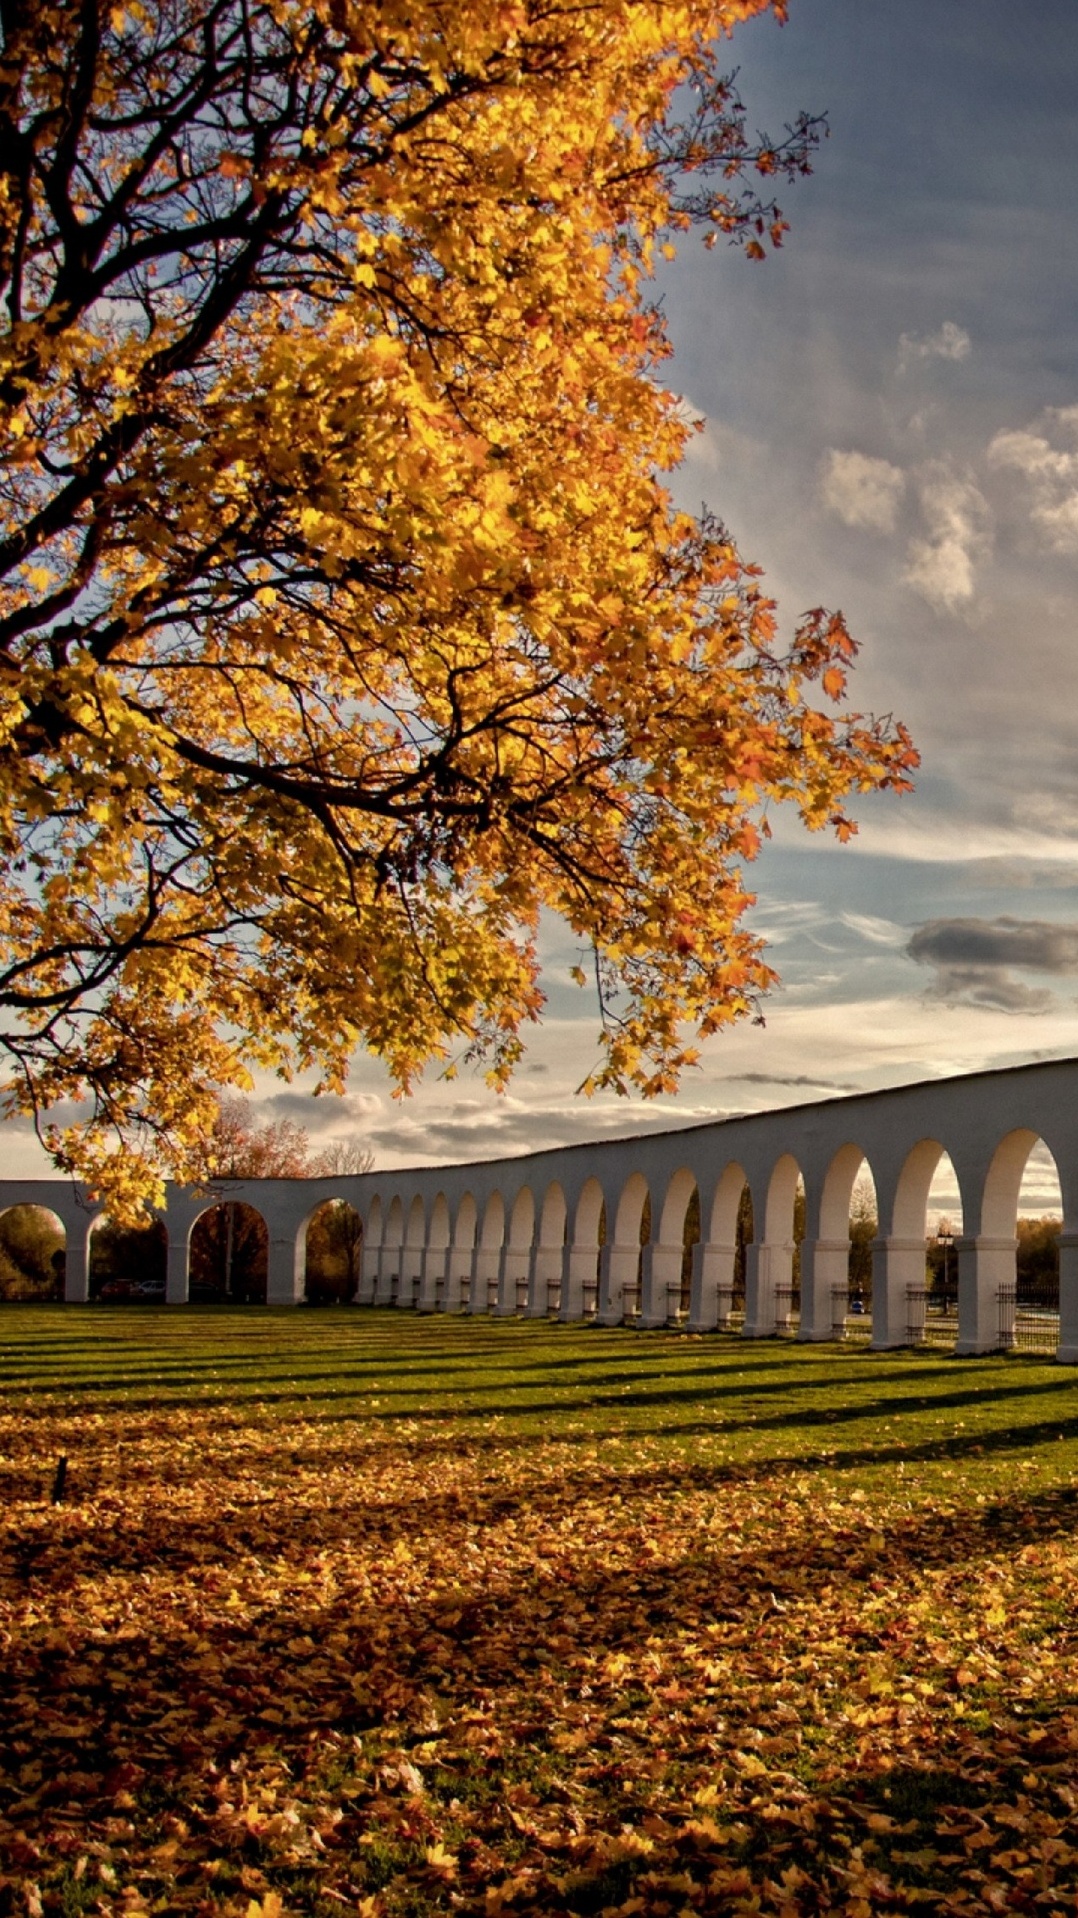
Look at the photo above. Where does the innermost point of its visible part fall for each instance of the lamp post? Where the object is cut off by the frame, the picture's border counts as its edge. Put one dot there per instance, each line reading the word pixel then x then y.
pixel 945 1239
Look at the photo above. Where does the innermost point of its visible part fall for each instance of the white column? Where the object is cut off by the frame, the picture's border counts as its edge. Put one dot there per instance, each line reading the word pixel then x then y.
pixel 660 1284
pixel 1068 1298
pixel 618 1268
pixel 769 1270
pixel 547 1263
pixel 178 1270
pixel 411 1277
pixel 388 1267
pixel 77 1269
pixel 825 1271
pixel 712 1286
pixel 985 1268
pixel 898 1269
pixel 513 1280
pixel 433 1269
pixel 485 1274
pixel 284 1271
pixel 367 1290
pixel 578 1275
pixel 458 1276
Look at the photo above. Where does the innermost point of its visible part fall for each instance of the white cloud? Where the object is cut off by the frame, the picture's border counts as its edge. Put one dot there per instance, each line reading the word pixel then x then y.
pixel 1051 472
pixel 878 932
pixel 956 514
pixel 861 490
pixel 951 342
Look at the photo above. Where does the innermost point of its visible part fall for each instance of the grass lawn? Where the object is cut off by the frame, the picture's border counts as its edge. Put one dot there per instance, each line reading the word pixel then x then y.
pixel 353 1610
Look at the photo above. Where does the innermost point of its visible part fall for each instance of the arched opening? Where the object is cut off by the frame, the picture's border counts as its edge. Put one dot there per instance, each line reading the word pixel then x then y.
pixel 632 1231
pixel 1022 1199
pixel 671 1255
pixel 589 1239
pixel 229 1255
pixel 372 1252
pixel 849 1224
pixel 730 1233
pixel 33 1255
pixel 436 1261
pixel 778 1270
pixel 462 1254
pixel 550 1254
pixel 128 1263
pixel 334 1253
pixel 411 1276
pixel 518 1253
pixel 928 1211
pixel 389 1271
pixel 488 1255
pixel 772 1298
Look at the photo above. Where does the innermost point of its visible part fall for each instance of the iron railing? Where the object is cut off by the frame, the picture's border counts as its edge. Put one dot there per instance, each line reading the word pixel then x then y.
pixel 1028 1317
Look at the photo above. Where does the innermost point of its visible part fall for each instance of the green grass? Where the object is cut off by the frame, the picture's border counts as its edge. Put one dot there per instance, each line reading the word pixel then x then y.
pixel 429 1615
pixel 750 1404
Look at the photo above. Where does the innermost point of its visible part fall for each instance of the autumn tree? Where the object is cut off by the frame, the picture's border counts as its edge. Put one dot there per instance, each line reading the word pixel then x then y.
pixel 345 618
pixel 229 1243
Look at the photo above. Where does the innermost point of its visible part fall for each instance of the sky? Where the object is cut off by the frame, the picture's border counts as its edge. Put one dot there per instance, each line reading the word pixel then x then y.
pixel 891 427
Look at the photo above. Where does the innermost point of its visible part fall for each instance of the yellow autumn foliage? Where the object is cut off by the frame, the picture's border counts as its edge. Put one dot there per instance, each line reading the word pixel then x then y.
pixel 346 622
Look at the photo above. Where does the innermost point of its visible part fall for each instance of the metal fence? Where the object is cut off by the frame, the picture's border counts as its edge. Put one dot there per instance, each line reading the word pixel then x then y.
pixel 1028 1317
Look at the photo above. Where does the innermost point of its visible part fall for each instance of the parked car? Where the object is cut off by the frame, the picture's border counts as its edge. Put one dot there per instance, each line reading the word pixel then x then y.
pixel 149 1289
pixel 115 1289
pixel 857 1308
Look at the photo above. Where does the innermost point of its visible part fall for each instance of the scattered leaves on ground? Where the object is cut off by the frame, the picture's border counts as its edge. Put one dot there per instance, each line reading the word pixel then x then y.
pixel 354 1611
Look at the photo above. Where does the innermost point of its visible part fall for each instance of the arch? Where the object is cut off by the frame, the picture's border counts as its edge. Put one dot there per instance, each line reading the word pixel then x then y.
pixel 467 1222
pixel 439 1222
pixel 621 1265
pixel 836 1275
pixel 411 1267
pixel 372 1252
pixel 915 1282
pixel 432 1291
pixel 590 1208
pixel 486 1265
pixel 1027 1278
pixel 394 1231
pixel 629 1218
pixel 33 1253
pixel 516 1256
pixel 547 1261
pixel 908 1212
pixel 679 1194
pixel 1003 1182
pixel 772 1301
pixel 781 1198
pixel 229 1252
pixel 668 1260
pixel 332 1238
pixel 837 1193
pixel 522 1219
pixel 389 1262
pixel 374 1222
pixel 553 1216
pixel 582 1291
pixel 493 1235
pixel 460 1256
pixel 726 1204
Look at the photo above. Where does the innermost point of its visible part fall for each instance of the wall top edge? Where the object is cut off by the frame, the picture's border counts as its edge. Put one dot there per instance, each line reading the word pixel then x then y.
pixel 1041 1068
